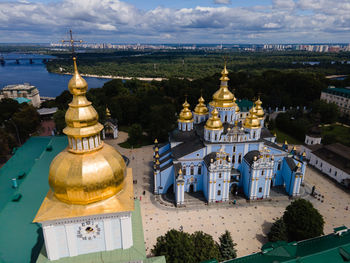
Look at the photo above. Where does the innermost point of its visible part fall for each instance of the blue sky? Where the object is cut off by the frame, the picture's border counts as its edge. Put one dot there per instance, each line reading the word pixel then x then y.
pixel 177 21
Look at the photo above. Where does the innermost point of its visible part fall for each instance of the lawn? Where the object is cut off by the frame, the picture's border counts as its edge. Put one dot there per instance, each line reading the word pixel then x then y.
pixel 336 133
pixel 282 136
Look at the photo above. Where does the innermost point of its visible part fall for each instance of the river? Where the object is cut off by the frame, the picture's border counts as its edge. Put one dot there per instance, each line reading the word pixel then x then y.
pixel 48 84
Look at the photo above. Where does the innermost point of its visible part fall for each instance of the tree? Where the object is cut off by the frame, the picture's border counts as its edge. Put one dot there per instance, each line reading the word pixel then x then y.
pixel 278 231
pixel 227 247
pixel 135 134
pixel 27 121
pixel 176 246
pixel 205 246
pixel 302 220
pixel 59 119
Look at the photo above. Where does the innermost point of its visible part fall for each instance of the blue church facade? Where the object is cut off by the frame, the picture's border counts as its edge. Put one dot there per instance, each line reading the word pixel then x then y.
pixel 218 149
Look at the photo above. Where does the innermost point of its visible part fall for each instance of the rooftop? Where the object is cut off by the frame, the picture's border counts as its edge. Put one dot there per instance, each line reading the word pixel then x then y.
pixel 345 92
pixel 24 86
pixel 324 249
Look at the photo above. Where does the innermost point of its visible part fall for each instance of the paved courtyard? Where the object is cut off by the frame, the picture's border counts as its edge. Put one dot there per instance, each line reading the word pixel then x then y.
pixel 248 223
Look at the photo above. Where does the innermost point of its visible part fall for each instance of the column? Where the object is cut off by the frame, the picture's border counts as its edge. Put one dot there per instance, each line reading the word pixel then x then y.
pixel 51 242
pixel 126 229
pixel 107 225
pixel 71 240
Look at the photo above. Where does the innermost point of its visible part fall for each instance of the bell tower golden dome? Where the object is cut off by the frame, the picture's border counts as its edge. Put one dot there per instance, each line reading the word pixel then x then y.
pixel 200 108
pixel 88 170
pixel 223 98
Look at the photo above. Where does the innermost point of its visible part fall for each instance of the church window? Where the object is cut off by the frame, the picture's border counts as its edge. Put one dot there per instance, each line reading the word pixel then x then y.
pixel 225 118
pixel 219 175
pixel 239 158
pixel 321 165
pixel 216 137
pixel 330 170
pixel 234 148
pixel 184 170
pixel 199 169
pixel 233 158
pixel 192 170
pixel 335 173
pixel 219 192
pixel 262 172
pixel 260 189
pixel 279 166
pixel 254 134
pixel 316 161
pixel 312 142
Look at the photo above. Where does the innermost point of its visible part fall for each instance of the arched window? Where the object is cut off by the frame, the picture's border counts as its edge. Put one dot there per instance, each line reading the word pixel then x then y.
pixel 239 158
pixel 225 118
pixel 184 169
pixel 219 192
pixel 192 170
pixel 262 172
pixel 279 166
pixel 216 137
pixel 199 169
pixel 234 148
pixel 233 158
pixel 219 175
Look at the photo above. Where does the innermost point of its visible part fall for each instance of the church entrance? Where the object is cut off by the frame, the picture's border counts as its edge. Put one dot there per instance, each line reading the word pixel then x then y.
pixel 191 188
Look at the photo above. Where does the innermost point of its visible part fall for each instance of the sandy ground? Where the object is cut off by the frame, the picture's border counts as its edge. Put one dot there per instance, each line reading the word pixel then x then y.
pixel 248 223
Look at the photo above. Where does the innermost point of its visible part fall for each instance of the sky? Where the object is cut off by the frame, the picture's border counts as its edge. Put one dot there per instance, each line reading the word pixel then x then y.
pixel 176 21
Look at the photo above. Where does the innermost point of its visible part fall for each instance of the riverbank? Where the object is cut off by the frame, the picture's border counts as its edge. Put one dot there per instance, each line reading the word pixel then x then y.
pixel 116 77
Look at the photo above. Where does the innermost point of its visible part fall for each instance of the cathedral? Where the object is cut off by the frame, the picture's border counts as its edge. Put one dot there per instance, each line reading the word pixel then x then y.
pixel 220 149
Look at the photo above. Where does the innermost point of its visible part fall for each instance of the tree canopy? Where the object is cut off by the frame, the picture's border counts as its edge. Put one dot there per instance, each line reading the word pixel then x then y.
pixel 302 220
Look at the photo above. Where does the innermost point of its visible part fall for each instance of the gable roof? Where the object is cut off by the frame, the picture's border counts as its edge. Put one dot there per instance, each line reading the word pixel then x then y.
pixel 187 147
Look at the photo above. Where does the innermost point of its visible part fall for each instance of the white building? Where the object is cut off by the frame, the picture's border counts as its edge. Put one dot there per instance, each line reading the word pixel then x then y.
pixel 339 96
pixel 25 90
pixel 332 160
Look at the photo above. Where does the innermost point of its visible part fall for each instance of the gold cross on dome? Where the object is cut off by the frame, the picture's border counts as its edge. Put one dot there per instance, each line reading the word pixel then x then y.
pixel 72 41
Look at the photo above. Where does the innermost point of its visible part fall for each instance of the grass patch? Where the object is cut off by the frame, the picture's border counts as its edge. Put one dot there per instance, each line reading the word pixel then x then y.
pixel 282 136
pixel 336 133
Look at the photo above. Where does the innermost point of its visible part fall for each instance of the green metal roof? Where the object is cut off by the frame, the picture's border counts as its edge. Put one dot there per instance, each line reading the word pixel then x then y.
pixel 244 105
pixel 20 239
pixel 339 91
pixel 22 100
pixel 329 248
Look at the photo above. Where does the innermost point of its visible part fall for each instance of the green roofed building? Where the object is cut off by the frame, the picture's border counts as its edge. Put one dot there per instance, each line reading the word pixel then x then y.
pixel 339 96
pixel 20 239
pixel 332 248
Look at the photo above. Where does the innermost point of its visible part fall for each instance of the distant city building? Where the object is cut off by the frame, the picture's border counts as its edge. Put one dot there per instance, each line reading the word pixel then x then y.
pixel 22 93
pixel 333 159
pixel 222 148
pixel 328 248
pixel 339 96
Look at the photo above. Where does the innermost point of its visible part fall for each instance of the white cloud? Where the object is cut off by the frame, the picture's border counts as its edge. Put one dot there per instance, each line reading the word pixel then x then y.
pixel 222 2
pixel 114 20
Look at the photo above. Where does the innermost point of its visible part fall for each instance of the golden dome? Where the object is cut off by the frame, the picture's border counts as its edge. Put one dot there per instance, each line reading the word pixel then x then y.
pixel 88 170
pixel 259 110
pixel 251 121
pixel 223 97
pixel 200 108
pixel 108 113
pixel 214 122
pixel 186 113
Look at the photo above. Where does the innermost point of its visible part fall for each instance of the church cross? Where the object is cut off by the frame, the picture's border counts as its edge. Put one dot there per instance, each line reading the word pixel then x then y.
pixel 72 41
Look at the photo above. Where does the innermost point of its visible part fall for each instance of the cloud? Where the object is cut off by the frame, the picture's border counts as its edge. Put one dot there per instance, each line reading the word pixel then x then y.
pixel 118 21
pixel 222 2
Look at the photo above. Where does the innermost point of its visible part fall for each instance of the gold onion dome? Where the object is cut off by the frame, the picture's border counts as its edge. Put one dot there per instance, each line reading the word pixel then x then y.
pixel 223 97
pixel 108 113
pixel 259 110
pixel 200 108
pixel 252 120
pixel 186 113
pixel 88 170
pixel 214 122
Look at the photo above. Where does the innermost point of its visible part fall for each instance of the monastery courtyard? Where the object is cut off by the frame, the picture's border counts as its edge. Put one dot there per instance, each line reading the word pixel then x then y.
pixel 248 223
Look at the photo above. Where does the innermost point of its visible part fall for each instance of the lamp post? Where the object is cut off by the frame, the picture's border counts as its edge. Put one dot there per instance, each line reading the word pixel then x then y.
pixel 14 124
